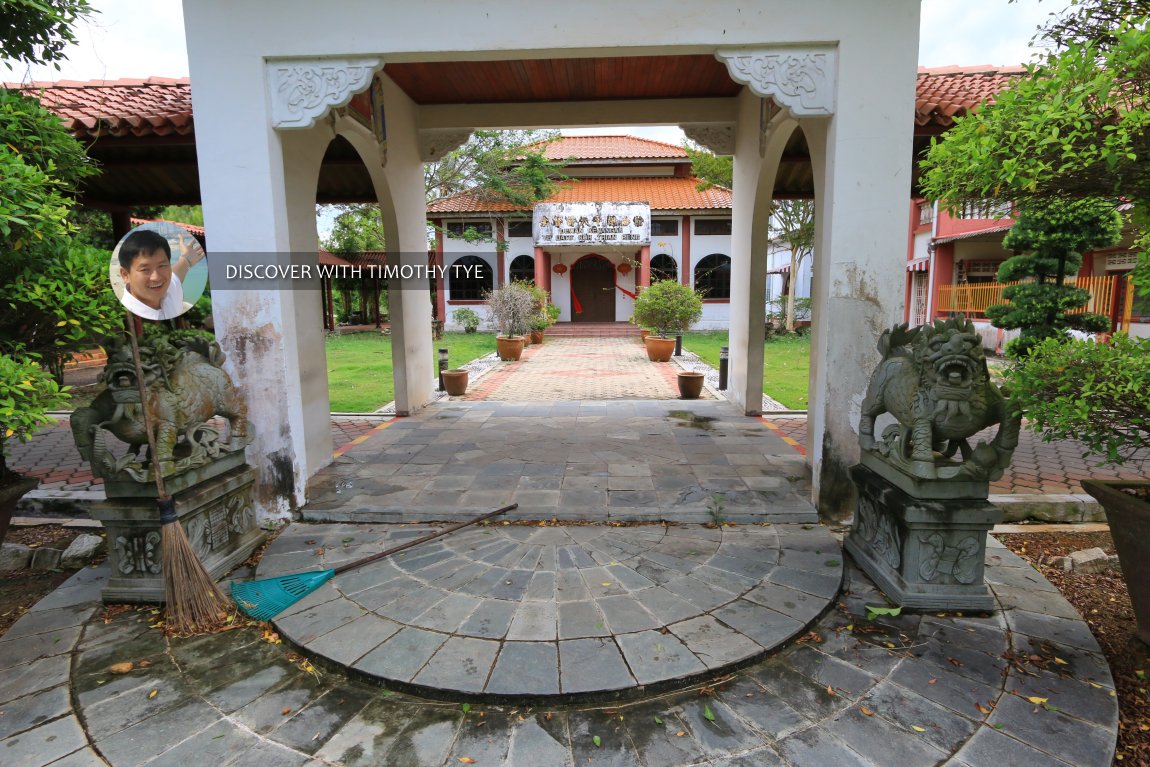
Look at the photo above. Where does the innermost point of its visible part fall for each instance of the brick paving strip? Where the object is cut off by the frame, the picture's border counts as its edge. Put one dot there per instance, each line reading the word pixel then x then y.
pixel 912 689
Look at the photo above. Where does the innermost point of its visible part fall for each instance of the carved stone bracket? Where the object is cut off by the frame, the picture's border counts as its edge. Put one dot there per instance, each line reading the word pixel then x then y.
pixel 304 90
pixel 800 79
pixel 435 143
pixel 718 137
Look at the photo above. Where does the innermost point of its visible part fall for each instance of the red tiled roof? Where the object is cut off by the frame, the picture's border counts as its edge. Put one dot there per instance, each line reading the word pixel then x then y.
pixel 157 106
pixel 661 193
pixel 611 148
pixel 945 92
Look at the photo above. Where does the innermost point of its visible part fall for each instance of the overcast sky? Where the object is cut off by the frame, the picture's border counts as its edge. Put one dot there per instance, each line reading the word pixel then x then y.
pixel 123 40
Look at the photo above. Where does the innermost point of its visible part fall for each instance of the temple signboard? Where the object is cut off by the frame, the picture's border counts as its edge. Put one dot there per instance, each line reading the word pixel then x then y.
pixel 592 223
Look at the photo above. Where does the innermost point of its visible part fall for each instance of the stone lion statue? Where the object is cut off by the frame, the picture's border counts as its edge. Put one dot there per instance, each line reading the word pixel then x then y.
pixel 934 380
pixel 186 388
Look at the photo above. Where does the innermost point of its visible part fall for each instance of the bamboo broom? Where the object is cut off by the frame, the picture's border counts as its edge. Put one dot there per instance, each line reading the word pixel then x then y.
pixel 195 605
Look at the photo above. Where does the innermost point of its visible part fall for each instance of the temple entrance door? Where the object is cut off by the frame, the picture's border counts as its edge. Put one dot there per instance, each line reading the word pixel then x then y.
pixel 593 290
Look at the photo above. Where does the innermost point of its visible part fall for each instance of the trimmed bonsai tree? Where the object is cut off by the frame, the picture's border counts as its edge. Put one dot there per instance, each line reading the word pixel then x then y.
pixel 1052 235
pixel 510 308
pixel 668 307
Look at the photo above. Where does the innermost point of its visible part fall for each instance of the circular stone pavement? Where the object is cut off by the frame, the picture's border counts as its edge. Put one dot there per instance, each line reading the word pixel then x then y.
pixel 509 613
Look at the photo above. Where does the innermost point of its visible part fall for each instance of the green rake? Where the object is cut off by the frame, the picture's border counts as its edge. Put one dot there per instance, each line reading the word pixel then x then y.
pixel 267 598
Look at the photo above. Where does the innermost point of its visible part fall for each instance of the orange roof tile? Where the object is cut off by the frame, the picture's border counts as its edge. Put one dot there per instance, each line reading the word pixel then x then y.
pixel 611 148
pixel 661 193
pixel 943 93
pixel 157 106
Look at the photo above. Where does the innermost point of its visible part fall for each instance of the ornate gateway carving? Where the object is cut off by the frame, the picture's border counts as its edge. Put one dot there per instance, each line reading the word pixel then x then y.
pixel 302 91
pixel 800 79
pixel 718 137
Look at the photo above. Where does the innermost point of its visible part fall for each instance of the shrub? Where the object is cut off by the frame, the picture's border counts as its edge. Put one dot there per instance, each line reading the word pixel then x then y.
pixel 668 307
pixel 467 318
pixel 1091 392
pixel 510 308
pixel 27 393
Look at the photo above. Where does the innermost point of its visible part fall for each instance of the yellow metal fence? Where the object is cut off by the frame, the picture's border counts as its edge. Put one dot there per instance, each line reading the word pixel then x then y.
pixel 973 299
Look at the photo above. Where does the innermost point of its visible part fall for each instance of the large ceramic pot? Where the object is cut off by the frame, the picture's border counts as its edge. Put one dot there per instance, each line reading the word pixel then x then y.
pixel 537 336
pixel 455 382
pixel 643 335
pixel 690 385
pixel 10 495
pixel 660 349
pixel 510 348
pixel 1129 518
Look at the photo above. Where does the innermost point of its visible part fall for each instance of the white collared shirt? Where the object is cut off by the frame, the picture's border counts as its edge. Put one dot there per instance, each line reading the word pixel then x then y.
pixel 171 307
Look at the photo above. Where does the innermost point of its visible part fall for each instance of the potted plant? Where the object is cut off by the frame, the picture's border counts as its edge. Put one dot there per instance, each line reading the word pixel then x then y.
pixel 1099 394
pixel 455 382
pixel 539 324
pixel 468 319
pixel 27 393
pixel 669 308
pixel 510 308
pixel 690 384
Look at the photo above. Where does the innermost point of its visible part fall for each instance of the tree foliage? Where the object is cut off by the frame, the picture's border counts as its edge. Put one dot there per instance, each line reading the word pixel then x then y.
pixel 1051 236
pixel 504 165
pixel 668 307
pixel 356 228
pixel 711 169
pixel 1077 124
pixel 1093 393
pixel 38 31
pixel 795 220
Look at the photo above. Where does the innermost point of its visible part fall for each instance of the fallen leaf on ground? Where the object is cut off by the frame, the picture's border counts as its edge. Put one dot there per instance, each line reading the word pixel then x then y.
pixel 866 711
pixel 466 760
pixel 122 668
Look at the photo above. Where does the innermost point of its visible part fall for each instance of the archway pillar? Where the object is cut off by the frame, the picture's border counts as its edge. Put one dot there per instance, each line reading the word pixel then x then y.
pixel 761 135
pixel 861 160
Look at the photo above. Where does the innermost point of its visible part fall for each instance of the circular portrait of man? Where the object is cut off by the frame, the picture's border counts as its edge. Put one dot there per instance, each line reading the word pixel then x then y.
pixel 159 270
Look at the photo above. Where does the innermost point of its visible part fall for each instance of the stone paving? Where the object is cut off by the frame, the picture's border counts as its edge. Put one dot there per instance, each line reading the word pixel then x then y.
pixel 916 689
pixel 532 614
pixel 580 369
pixel 620 461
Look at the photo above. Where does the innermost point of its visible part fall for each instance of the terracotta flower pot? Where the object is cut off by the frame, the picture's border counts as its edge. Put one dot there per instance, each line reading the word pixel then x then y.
pixel 455 382
pixel 1129 519
pixel 690 385
pixel 510 348
pixel 643 335
pixel 537 336
pixel 660 349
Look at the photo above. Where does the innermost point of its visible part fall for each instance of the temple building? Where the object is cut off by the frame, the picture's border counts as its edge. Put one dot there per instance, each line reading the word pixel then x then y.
pixel 629 212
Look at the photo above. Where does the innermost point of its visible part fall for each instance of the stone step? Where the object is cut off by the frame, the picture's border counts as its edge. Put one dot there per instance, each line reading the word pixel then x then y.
pixel 554 614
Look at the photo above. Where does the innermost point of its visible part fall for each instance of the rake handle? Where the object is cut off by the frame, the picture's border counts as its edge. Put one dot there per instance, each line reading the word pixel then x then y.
pixel 430 537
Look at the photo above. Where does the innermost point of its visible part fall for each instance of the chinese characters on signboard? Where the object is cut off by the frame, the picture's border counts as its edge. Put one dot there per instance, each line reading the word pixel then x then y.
pixel 592 223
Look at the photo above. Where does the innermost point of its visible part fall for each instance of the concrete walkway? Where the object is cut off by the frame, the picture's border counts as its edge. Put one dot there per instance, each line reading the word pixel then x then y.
pixel 909 690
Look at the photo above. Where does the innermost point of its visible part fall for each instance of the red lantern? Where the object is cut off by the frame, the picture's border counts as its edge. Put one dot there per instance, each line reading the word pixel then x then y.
pixel 624 268
pixel 559 268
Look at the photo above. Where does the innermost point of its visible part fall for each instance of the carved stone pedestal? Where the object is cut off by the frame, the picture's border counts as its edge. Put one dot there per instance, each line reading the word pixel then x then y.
pixel 218 516
pixel 923 553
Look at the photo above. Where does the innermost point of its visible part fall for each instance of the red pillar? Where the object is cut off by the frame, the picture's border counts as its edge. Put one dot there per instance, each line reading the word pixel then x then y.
pixel 685 274
pixel 440 283
pixel 542 269
pixel 644 280
pixel 500 250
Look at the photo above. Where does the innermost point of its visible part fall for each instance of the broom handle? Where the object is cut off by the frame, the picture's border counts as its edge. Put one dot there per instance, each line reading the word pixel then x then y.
pixel 136 326
pixel 430 537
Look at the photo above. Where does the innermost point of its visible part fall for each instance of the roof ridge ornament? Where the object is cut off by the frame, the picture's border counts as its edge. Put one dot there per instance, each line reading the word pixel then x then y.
pixel 305 90
pixel 800 79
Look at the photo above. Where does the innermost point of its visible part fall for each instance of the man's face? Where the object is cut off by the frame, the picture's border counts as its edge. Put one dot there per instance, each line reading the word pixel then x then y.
pixel 149 277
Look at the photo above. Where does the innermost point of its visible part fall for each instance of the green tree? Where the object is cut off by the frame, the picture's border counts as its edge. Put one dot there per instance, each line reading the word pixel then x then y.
pixel 1077 124
pixel 711 169
pixel 508 165
pixel 795 220
pixel 184 214
pixel 38 31
pixel 1051 236
pixel 356 228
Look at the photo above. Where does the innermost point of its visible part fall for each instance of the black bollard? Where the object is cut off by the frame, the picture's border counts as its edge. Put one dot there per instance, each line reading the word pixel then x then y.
pixel 724 353
pixel 678 346
pixel 442 366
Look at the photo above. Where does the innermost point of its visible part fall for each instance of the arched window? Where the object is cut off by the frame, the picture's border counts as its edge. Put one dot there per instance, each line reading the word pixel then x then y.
pixel 663 267
pixel 469 278
pixel 523 269
pixel 713 276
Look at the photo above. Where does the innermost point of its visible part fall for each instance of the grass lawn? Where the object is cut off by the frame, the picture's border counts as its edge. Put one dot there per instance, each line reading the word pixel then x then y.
pixel 359 366
pixel 786 363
